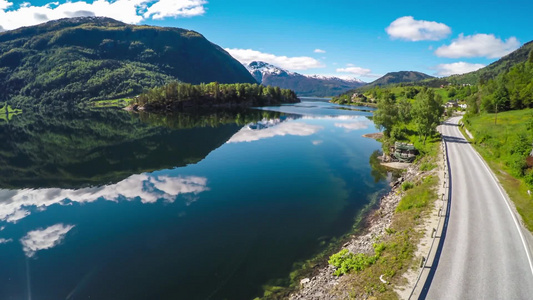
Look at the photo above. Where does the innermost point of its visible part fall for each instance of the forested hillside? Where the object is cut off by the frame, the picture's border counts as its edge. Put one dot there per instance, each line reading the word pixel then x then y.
pixel 73 60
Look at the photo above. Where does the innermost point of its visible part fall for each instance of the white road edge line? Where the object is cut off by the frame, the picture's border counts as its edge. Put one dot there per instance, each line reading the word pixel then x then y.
pixel 507 203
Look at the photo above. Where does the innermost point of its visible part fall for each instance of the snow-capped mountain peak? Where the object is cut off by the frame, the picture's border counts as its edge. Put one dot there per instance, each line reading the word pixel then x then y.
pixel 340 78
pixel 264 68
pixel 303 85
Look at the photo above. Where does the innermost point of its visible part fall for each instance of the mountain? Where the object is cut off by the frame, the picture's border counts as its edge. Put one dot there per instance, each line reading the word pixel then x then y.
pixel 494 69
pixel 80 59
pixel 303 85
pixel 399 77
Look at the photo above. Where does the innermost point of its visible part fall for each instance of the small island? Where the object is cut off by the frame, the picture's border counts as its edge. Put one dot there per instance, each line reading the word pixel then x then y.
pixel 177 96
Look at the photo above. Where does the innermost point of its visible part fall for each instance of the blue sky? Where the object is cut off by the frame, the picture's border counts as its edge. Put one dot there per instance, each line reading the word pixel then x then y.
pixel 437 38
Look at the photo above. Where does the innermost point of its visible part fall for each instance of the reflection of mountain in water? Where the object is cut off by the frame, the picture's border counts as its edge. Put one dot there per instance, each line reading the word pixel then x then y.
pixel 87 148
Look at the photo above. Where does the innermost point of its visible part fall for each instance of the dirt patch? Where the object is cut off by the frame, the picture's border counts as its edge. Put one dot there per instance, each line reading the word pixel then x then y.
pixel 529 161
pixel 397 165
pixel 375 136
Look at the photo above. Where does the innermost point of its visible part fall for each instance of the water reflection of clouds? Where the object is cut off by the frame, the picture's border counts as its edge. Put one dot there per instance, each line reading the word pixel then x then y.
pixel 288 128
pixel 352 125
pixel 337 118
pixel 278 127
pixel 15 204
pixel 46 238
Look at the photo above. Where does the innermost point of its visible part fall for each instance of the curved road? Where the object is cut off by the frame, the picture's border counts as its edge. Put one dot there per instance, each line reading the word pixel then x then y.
pixel 483 252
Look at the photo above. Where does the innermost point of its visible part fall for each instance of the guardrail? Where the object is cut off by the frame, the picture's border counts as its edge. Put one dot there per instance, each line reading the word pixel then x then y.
pixel 427 261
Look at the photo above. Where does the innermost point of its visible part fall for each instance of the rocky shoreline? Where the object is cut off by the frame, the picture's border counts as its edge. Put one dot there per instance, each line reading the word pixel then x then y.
pixel 322 286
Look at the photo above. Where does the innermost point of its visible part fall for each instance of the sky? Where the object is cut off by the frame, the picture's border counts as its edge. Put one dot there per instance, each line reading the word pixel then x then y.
pixel 361 39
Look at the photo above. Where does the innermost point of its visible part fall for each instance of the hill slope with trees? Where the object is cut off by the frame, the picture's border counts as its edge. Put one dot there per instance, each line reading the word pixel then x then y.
pixel 68 61
pixel 491 71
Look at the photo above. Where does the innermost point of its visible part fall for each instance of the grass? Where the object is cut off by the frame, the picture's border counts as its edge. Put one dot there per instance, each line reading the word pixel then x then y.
pixel 504 146
pixel 118 103
pixel 419 196
pixel 393 252
pixel 7 112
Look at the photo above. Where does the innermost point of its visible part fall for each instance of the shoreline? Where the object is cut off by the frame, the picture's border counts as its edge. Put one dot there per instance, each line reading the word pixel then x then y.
pixel 323 285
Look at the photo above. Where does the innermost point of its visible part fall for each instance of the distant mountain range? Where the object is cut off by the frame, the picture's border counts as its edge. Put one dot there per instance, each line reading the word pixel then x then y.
pixel 303 85
pixel 74 60
pixel 393 78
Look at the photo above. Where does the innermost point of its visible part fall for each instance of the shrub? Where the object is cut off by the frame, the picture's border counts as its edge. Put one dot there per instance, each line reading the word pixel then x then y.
pixel 345 261
pixel 407 185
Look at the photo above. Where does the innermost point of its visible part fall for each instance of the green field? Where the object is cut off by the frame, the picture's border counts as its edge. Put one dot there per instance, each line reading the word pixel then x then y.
pixel 505 146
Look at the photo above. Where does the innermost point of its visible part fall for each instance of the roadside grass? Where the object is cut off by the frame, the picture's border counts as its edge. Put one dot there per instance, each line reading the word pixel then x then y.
pixel 7 112
pixel 394 251
pixel 118 103
pixel 505 146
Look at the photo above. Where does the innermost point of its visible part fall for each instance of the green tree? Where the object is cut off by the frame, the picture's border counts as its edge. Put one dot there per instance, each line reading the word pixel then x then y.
pixel 386 115
pixel 426 113
pixel 500 99
pixel 404 111
pixel 452 93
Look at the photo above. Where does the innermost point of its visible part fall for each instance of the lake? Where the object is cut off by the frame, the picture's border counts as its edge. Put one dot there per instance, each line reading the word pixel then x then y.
pixel 103 204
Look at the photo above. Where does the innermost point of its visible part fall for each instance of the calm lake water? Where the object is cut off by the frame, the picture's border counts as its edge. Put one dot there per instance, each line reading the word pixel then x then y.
pixel 108 205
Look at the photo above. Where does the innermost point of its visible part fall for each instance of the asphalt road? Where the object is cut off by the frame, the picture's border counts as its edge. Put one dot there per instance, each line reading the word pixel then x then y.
pixel 483 253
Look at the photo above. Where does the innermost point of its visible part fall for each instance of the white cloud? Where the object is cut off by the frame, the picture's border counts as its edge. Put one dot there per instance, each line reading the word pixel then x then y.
pixel 287 128
pixel 5 4
pixel 317 142
pixel 172 8
pixel 478 45
pixel 42 239
pixel 246 56
pixel 149 188
pixel 129 11
pixel 407 28
pixel 355 70
pixel 457 68
pixel 319 51
pixel 5 241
